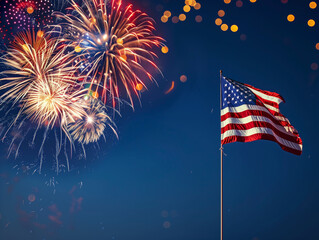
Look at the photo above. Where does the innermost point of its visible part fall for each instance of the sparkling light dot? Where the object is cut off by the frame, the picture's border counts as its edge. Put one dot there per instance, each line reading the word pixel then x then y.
pixel 77 49
pixel 227 1
pixel 291 18
pixel 224 27
pixel 317 46
pixel 311 23
pixel 175 19
pixel 119 41
pixel 221 13
pixel 89 120
pixel 183 78
pixel 31 197
pixel 198 18
pixel 182 17
pixel 164 19
pixel 239 3
pixel 187 8
pixel 312 5
pixel 197 6
pixel 234 28
pixel 139 87
pixel 164 49
pixel 253 1
pixel 30 10
pixel 40 34
pixel 167 14
pixel 218 21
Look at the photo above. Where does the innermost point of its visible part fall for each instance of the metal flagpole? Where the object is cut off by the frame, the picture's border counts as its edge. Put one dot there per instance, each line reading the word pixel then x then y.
pixel 221 168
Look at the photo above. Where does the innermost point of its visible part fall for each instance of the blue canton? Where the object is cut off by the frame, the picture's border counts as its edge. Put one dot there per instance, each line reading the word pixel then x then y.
pixel 235 94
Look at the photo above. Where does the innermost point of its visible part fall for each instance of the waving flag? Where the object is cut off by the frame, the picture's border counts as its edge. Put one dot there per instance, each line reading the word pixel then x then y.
pixel 250 114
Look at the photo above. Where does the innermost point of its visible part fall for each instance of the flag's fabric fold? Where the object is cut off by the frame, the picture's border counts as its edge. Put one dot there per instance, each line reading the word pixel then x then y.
pixel 250 114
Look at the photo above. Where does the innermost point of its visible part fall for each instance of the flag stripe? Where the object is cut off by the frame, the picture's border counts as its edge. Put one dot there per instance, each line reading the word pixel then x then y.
pixel 246 113
pixel 250 134
pixel 232 125
pixel 271 96
pixel 251 114
pixel 260 137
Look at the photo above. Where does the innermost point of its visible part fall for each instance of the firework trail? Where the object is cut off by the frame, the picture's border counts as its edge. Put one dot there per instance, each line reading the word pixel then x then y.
pixel 117 43
pixel 60 85
pixel 91 127
pixel 41 83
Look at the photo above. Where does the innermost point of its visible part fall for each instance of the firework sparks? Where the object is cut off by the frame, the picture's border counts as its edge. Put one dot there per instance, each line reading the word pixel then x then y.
pixel 25 14
pixel 41 83
pixel 91 127
pixel 118 45
pixel 33 58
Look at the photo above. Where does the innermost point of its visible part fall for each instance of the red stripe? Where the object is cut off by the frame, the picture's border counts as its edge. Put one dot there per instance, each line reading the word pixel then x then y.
pixel 255 113
pixel 259 124
pixel 259 136
pixel 272 94
pixel 265 101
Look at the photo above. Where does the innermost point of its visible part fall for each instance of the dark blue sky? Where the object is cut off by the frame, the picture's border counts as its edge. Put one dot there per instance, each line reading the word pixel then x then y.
pixel 160 181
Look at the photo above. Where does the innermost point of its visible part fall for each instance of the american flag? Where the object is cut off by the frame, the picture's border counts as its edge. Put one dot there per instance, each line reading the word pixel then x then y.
pixel 249 114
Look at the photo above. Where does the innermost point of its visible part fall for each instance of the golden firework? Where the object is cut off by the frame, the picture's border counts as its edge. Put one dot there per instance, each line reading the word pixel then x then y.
pixel 118 44
pixel 90 128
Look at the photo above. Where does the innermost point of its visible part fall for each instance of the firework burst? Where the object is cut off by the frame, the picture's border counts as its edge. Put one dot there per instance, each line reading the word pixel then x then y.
pixel 26 14
pixel 31 58
pixel 91 127
pixel 117 43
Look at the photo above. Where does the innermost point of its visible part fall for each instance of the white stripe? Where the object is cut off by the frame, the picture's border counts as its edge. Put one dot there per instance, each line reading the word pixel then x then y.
pixel 252 118
pixel 243 108
pixel 264 96
pixel 250 132
pixel 271 107
pixel 246 107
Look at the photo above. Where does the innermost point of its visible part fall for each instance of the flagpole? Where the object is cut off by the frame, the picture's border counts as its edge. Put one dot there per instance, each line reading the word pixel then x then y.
pixel 221 168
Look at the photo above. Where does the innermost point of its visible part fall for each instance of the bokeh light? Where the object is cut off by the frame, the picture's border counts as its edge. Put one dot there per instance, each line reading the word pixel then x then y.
pixel 218 21
pixel 139 87
pixel 227 1
pixel 198 18
pixel 183 78
pixel 197 6
pixel 31 197
pixel 314 66
pixel 317 46
pixel 175 19
pixel 167 14
pixel 221 13
pixel 234 28
pixel 312 5
pixel 164 19
pixel 77 49
pixel 30 10
pixel 311 23
pixel 253 1
pixel 182 17
pixel 165 49
pixel 224 27
pixel 239 3
pixel 291 18
pixel 186 8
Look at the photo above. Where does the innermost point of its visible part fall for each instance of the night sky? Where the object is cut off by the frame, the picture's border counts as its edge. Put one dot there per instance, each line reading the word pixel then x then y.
pixel 161 179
